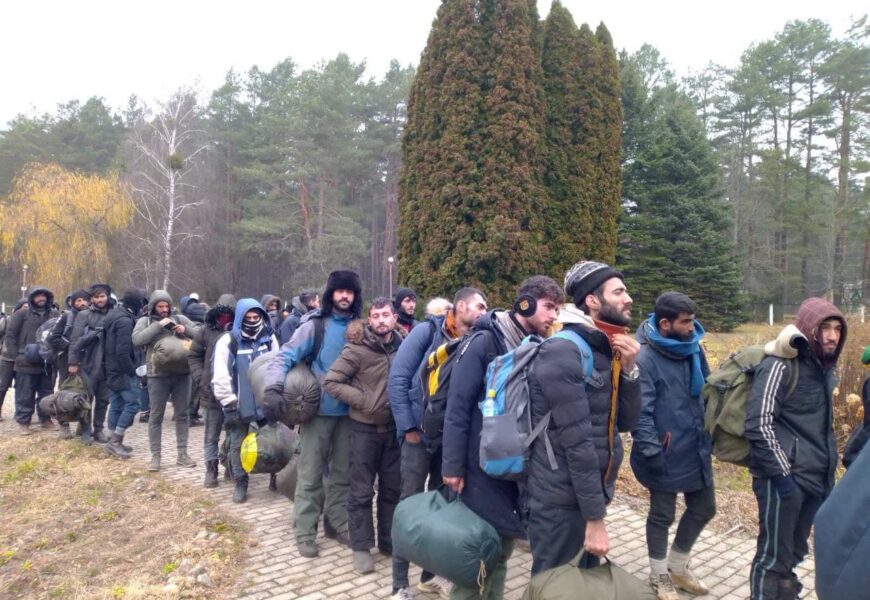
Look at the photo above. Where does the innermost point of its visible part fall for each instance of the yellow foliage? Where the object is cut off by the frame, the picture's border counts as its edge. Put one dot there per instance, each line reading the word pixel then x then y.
pixel 58 221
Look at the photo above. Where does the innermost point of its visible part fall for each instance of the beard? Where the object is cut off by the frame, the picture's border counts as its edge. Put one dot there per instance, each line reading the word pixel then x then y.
pixel 609 314
pixel 680 337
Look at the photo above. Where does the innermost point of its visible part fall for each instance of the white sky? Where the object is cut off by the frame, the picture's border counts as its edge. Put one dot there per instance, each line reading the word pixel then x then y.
pixel 52 51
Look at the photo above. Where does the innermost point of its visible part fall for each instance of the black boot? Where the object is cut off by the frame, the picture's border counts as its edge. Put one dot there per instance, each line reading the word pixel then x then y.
pixel 211 474
pixel 788 589
pixel 240 493
pixel 273 482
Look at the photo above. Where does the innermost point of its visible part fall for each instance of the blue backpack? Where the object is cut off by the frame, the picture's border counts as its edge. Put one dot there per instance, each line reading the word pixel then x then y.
pixel 507 432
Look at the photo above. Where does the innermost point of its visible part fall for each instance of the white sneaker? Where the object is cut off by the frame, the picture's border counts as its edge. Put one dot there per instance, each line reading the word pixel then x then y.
pixel 402 594
pixel 436 585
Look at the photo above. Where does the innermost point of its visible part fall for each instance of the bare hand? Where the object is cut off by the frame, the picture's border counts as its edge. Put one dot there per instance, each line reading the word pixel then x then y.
pixel 73 369
pixel 596 541
pixel 178 329
pixel 457 484
pixel 413 437
pixel 165 321
pixel 628 349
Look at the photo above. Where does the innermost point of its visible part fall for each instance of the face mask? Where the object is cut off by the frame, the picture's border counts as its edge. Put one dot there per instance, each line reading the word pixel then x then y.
pixel 252 329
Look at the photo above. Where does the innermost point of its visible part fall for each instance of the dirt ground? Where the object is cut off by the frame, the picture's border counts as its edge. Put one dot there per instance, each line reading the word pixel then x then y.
pixel 74 524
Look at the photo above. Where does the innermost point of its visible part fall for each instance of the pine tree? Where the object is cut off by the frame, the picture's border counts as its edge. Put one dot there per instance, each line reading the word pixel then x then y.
pixel 675 233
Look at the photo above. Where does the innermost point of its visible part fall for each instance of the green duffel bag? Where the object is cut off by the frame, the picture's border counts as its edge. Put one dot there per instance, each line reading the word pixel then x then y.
pixel 604 582
pixel 301 390
pixel 445 537
pixel 268 449
pixel 169 355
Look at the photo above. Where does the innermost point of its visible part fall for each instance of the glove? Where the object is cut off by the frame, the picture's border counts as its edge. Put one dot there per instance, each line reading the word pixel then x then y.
pixel 785 485
pixel 656 464
pixel 273 403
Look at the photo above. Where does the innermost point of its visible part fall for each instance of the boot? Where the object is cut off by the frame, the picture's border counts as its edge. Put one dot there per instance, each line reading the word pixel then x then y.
pixel 24 429
pixel 273 482
pixel 788 589
pixel 363 561
pixel 115 448
pixel 183 459
pixel 48 425
pixel 65 433
pixel 85 434
pixel 100 436
pixel 155 462
pixel 240 493
pixel 211 474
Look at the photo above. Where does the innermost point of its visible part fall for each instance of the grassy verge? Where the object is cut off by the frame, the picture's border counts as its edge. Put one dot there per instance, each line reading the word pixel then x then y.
pixel 78 525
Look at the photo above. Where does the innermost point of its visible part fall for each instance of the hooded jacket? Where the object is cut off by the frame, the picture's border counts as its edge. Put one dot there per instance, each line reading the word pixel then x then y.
pixel 275 316
pixel 61 333
pixel 21 329
pixel 229 382
pixel 87 321
pixel 301 346
pixel 148 329
pixel 792 434
pixel 121 356
pixel 494 500
pixel 201 356
pixel 671 422
pixel 358 377
pixel 584 426
pixel 193 310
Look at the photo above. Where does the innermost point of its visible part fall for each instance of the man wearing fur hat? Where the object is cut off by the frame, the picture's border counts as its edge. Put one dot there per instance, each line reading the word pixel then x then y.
pixel 86 358
pixel 358 377
pixel 567 505
pixel 793 452
pixel 325 439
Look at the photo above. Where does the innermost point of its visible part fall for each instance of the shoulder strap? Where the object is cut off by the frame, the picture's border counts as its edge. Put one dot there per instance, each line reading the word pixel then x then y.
pixel 793 377
pixel 582 347
pixel 319 327
pixel 234 345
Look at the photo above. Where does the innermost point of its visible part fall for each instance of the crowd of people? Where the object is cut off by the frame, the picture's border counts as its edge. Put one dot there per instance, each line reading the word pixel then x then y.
pixel 373 432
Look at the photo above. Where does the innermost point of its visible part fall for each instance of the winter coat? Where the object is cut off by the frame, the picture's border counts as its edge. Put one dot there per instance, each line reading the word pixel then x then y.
pixel 121 357
pixel 358 377
pixel 859 436
pixel 148 329
pixel 275 316
pixel 21 329
pixel 291 323
pixel 404 387
pixel 494 500
pixel 201 355
pixel 61 333
pixel 87 321
pixel 230 383
pixel 195 311
pixel 585 441
pixel 299 349
pixel 671 422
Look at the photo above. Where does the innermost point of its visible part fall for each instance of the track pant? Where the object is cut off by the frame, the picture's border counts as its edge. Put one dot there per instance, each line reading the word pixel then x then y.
pixel 418 464
pixel 783 530
pixel 374 455
pixel 324 441
pixel 700 508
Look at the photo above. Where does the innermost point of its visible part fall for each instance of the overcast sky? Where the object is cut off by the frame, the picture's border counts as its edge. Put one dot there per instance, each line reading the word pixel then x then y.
pixel 52 51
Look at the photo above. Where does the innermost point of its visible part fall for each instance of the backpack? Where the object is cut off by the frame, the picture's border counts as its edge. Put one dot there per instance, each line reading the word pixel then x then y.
pixel 726 396
pixel 507 432
pixel 43 341
pixel 435 383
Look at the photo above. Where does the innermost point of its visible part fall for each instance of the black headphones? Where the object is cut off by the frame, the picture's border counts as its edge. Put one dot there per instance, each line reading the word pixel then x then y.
pixel 525 305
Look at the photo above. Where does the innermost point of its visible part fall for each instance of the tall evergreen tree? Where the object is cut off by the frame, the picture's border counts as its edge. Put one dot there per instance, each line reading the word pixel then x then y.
pixel 675 231
pixel 470 195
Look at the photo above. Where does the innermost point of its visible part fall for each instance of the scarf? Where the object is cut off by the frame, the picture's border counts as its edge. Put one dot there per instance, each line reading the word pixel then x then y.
pixel 450 325
pixel 690 348
pixel 609 329
pixel 511 330
pixel 252 330
pixel 224 321
pixel 406 320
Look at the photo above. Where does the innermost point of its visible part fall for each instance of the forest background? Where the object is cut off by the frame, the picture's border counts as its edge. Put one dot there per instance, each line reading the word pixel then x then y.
pixel 281 174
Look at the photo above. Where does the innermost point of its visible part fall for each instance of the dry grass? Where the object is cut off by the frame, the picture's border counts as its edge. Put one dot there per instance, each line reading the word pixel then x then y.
pixel 736 506
pixel 76 525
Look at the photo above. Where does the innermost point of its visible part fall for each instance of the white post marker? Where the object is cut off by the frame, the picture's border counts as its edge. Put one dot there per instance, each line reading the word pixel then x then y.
pixel 770 315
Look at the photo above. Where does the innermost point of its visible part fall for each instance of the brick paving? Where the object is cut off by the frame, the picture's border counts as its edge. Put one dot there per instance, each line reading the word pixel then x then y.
pixel 276 571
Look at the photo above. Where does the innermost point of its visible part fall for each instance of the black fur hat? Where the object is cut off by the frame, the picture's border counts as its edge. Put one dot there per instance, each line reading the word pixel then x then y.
pixel 342 280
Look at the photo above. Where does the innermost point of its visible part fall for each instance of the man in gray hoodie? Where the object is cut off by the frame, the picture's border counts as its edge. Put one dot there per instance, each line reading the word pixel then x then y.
pixel 159 327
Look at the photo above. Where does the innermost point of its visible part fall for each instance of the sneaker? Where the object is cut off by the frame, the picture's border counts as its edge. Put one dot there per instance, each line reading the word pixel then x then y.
pixel 687 582
pixel 663 587
pixel 402 594
pixel 23 429
pixel 436 585
pixel 363 561
pixel 184 460
pixel 155 462
pixel 307 549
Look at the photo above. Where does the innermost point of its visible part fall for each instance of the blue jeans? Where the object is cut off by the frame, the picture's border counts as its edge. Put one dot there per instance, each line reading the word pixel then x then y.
pixel 237 434
pixel 123 406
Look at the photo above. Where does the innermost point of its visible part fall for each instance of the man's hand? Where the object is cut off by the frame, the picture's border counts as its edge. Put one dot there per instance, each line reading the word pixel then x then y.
pixel 413 437
pixel 596 541
pixel 457 484
pixel 628 349
pixel 273 403
pixel 165 321
pixel 73 369
pixel 178 329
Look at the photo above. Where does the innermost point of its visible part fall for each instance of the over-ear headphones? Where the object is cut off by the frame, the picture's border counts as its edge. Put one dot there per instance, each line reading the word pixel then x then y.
pixel 525 305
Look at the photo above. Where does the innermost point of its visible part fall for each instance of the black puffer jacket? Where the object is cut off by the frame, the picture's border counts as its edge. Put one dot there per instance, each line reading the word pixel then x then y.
pixel 121 357
pixel 202 349
pixel 89 320
pixel 21 330
pixel 585 440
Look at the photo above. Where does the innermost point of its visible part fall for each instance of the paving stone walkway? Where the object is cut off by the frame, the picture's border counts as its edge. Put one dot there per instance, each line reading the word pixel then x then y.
pixel 276 571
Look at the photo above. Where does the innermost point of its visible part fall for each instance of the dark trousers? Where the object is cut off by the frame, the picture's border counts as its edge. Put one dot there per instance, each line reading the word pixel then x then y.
pixel 236 434
pixel 30 388
pixel 700 508
pixel 783 530
pixel 175 388
pixel 214 423
pixel 7 374
pixel 373 454
pixel 556 536
pixel 418 464
pixel 102 396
